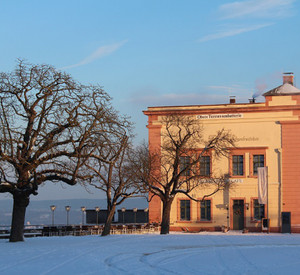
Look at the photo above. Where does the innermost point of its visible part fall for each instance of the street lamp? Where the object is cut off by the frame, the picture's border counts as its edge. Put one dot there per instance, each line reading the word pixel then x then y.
pixel 52 207
pixel 146 210
pixel 135 210
pixel 68 208
pixel 123 213
pixel 83 210
pixel 97 209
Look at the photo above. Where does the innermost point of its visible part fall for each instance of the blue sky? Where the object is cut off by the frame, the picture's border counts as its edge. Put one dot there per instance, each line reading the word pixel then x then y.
pixel 158 52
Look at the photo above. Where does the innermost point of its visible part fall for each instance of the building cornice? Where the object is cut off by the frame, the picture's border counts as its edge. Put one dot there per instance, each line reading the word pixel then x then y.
pixel 187 111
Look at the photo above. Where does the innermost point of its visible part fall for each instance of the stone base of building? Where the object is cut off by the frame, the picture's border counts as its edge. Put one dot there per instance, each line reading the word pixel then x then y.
pixel 197 229
pixel 295 229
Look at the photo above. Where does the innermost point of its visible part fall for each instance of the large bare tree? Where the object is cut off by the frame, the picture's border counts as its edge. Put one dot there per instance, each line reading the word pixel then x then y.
pixel 174 168
pixel 48 125
pixel 111 167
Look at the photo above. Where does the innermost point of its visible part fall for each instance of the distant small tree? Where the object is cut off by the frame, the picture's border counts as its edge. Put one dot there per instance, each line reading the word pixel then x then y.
pixel 112 172
pixel 174 167
pixel 48 125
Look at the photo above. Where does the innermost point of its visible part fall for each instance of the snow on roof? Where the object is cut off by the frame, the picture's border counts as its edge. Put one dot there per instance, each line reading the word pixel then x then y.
pixel 285 89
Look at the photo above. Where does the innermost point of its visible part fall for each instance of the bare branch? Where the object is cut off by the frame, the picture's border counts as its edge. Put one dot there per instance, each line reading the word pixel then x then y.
pixel 175 167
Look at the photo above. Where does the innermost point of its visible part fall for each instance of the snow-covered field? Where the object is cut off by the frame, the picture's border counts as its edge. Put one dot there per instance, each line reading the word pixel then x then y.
pixel 203 253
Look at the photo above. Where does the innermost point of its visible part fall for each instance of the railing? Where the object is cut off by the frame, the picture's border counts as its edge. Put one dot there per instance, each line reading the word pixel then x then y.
pixel 80 230
pixel 29 231
pixel 134 228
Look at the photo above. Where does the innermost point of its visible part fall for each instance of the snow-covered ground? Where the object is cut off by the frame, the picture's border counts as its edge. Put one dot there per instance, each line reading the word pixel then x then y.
pixel 203 253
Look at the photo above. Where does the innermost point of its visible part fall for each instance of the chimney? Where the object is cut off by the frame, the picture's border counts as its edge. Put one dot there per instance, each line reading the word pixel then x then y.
pixel 252 100
pixel 288 78
pixel 232 99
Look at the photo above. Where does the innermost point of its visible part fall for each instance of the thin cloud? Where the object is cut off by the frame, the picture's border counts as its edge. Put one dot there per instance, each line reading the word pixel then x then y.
pixel 231 88
pixel 232 32
pixel 257 8
pixel 250 9
pixel 99 53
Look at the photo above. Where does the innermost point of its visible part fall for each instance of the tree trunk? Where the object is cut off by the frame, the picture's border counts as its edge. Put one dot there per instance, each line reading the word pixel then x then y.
pixel 21 201
pixel 165 222
pixel 107 226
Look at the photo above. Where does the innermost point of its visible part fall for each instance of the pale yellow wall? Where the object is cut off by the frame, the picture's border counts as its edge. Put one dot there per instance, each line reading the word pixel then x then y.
pixel 219 211
pixel 282 100
pixel 252 130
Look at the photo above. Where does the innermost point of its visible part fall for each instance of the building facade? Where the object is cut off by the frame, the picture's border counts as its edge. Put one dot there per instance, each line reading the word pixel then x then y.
pixel 268 135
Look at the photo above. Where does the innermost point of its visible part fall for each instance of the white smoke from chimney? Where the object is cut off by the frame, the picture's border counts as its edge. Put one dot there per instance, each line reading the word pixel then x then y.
pixel 265 83
pixel 260 87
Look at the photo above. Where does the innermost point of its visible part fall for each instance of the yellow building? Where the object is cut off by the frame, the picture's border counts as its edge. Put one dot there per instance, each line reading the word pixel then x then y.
pixel 268 134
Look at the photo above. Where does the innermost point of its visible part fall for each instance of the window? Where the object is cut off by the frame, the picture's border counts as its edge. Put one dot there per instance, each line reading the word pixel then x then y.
pixel 238 165
pixel 258 161
pixel 205 213
pixel 258 210
pixel 185 206
pixel 184 162
pixel 205 166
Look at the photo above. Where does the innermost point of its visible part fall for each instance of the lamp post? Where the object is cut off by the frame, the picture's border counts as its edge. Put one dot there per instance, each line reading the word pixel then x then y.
pixel 123 213
pixel 97 209
pixel 227 208
pixel 68 208
pixel 146 210
pixel 83 210
pixel 134 211
pixel 52 207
